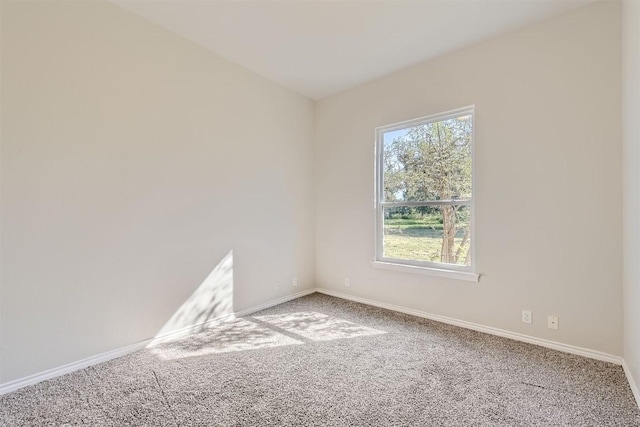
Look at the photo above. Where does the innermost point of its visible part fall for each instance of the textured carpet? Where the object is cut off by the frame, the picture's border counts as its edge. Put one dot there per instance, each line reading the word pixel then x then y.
pixel 323 361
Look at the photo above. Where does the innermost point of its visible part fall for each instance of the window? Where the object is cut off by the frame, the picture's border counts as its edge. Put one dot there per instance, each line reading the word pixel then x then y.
pixel 424 194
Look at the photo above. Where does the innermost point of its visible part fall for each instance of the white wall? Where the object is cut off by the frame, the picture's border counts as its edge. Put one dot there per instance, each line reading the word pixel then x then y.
pixel 631 156
pixel 133 162
pixel 548 180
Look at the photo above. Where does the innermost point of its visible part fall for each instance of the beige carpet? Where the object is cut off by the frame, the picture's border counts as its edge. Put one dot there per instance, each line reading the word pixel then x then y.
pixel 322 361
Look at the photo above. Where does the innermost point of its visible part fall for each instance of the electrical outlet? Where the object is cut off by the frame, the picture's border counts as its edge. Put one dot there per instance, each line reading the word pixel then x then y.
pixel 526 316
pixel 346 283
pixel 295 281
pixel 552 322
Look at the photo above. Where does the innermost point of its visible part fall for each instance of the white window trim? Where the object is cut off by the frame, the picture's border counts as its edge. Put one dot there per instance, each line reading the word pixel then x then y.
pixel 428 271
pixel 421 267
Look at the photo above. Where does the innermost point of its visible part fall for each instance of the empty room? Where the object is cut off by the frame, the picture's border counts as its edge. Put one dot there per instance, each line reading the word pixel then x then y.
pixel 320 213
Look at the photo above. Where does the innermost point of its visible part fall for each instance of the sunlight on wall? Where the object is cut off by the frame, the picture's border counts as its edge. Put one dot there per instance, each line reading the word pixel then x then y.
pixel 211 300
pixel 249 333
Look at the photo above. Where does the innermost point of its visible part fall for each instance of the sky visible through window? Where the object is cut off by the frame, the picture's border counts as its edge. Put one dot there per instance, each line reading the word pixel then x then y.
pixel 390 136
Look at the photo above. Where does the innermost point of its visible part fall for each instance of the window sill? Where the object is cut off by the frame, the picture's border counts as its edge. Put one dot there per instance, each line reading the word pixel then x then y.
pixel 437 272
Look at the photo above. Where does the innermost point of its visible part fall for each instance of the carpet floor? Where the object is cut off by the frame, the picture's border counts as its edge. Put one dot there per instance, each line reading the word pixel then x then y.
pixel 323 361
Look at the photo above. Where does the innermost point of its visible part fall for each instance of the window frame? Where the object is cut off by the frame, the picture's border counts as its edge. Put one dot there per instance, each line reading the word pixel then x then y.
pixel 462 272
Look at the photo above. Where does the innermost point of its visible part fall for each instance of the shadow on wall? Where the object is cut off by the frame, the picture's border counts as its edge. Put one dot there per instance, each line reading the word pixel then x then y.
pixel 211 300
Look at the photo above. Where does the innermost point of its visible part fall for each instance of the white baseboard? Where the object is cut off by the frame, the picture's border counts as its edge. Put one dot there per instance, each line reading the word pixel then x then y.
pixel 593 354
pixel 632 382
pixel 187 330
pixel 271 303
pixel 70 367
pixel 123 351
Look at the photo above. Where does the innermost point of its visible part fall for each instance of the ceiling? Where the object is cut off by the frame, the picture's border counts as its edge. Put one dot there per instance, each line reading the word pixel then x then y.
pixel 321 47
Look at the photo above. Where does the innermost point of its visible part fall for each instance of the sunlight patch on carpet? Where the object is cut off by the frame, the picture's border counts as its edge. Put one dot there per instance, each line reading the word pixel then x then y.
pixel 317 326
pixel 253 333
pixel 228 336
